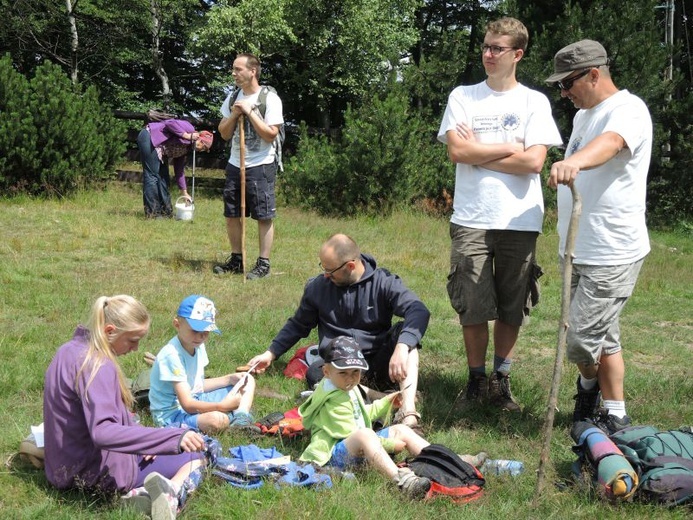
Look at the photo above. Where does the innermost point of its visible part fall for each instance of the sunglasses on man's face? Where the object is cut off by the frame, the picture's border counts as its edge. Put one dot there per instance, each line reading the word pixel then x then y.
pixel 567 84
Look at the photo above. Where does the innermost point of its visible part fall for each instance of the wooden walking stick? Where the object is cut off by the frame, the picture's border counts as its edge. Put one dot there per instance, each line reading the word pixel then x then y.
pixel 241 121
pixel 562 335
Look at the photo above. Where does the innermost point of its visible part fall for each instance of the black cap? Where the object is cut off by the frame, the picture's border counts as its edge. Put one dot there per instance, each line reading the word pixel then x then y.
pixel 343 352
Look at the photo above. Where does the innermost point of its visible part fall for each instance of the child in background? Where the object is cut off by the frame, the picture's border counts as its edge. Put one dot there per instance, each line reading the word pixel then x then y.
pixel 179 393
pixel 341 423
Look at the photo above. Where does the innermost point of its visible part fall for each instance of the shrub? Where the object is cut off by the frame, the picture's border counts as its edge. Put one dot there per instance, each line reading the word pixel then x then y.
pixel 54 137
pixel 377 163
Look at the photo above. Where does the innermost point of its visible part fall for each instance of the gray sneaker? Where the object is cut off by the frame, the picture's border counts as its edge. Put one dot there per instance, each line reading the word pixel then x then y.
pixel 499 393
pixel 261 269
pixel 412 486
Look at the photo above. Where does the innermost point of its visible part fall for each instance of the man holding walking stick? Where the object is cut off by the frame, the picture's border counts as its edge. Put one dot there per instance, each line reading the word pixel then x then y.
pixel 607 161
pixel 261 127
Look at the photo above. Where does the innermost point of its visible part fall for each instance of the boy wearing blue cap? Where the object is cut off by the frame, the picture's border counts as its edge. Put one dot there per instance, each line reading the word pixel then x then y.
pixel 179 393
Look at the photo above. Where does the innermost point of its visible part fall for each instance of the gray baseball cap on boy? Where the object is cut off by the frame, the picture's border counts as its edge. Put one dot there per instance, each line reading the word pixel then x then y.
pixel 577 56
pixel 344 353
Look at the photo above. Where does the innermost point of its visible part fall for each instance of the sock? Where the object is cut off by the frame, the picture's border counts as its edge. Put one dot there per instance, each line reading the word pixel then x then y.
pixel 136 492
pixel 477 371
pixel 587 384
pixel 616 408
pixel 501 365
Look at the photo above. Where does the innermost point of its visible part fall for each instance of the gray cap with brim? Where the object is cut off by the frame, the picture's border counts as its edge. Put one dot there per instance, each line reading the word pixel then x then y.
pixel 577 56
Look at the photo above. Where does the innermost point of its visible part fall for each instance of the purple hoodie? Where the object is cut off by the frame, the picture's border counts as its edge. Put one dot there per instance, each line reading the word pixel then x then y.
pixel 171 132
pixel 91 440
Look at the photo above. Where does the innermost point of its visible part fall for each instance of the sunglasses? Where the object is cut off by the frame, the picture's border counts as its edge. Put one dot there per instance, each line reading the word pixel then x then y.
pixel 567 84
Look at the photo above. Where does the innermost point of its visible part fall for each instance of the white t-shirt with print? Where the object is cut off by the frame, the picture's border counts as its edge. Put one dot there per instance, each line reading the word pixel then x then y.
pixel 612 228
pixel 487 199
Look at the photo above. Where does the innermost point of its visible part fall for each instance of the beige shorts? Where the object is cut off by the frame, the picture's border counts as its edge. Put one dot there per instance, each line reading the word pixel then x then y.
pixel 598 295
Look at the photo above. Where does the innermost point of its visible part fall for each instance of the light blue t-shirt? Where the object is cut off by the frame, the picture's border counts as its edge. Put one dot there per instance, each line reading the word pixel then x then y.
pixel 174 365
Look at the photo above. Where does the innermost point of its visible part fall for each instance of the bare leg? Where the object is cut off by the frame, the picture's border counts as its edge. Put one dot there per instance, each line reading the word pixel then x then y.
pixel 365 443
pixel 233 231
pixel 476 342
pixel 265 237
pixel 410 383
pixel 185 471
pixel 610 374
pixel 504 338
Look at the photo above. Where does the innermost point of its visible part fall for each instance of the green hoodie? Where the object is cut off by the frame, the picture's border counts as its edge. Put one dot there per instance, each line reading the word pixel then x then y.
pixel 329 415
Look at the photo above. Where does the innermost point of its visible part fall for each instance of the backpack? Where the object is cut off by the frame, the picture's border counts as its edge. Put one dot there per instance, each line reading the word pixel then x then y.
pixel 140 389
pixel 448 473
pixel 663 460
pixel 262 107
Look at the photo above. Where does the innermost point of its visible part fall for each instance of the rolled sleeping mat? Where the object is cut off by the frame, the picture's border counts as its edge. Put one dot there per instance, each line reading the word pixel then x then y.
pixel 615 475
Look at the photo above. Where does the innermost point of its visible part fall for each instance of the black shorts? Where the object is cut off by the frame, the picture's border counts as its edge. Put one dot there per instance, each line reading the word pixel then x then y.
pixel 260 201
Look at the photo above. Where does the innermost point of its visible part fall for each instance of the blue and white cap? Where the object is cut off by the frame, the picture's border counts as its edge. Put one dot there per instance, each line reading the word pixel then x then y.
pixel 200 313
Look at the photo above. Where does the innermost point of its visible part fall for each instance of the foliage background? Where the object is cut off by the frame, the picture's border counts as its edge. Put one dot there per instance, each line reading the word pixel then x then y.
pixel 338 64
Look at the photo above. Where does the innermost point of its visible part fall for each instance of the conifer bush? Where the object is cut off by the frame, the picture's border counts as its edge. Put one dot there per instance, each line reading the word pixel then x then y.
pixel 385 157
pixel 54 138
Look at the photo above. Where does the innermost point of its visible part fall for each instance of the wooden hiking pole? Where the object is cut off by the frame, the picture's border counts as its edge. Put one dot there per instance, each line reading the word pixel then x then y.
pixel 562 337
pixel 241 121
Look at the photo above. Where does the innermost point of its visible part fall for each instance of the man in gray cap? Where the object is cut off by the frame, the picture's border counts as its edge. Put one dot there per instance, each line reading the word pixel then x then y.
pixel 607 161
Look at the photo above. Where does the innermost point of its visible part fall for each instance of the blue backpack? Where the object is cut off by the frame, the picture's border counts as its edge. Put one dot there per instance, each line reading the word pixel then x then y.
pixel 663 461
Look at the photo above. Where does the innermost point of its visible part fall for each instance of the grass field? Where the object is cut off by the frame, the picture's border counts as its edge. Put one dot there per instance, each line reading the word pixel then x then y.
pixel 56 257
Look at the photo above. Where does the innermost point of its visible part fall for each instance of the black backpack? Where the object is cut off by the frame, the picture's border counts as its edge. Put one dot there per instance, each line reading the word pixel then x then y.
pixel 663 461
pixel 262 107
pixel 448 473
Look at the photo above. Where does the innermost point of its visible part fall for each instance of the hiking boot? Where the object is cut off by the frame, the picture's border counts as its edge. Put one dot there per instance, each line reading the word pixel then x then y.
pixel 233 265
pixel 412 486
pixel 586 403
pixel 475 460
pixel 499 392
pixel 261 269
pixel 610 424
pixel 243 421
pixel 477 388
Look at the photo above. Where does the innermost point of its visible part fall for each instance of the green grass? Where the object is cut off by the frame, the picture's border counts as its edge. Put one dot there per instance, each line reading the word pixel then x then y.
pixel 56 257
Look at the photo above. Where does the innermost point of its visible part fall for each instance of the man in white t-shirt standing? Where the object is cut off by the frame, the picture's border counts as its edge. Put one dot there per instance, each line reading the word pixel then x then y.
pixel 497 133
pixel 607 161
pixel 260 164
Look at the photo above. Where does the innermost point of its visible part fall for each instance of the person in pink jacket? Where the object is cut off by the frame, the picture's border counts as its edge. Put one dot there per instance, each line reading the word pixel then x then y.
pixel 92 441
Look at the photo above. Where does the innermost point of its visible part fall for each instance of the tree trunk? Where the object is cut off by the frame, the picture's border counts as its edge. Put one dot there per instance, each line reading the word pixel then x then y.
pixel 157 62
pixel 74 42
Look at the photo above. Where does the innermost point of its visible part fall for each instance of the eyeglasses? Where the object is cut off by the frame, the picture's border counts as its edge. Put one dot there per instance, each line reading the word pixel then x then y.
pixel 567 84
pixel 332 271
pixel 495 49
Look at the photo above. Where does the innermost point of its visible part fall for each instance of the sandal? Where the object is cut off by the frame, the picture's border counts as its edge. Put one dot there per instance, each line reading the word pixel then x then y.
pixel 400 417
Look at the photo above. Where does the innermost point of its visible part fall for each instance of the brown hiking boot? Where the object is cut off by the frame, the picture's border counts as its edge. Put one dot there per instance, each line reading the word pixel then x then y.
pixel 477 388
pixel 499 393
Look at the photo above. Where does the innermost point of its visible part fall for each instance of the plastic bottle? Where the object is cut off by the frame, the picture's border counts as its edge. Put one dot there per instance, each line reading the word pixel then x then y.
pixel 502 467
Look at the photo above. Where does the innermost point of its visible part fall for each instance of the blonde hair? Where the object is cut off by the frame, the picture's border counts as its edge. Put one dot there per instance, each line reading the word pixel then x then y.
pixel 126 314
pixel 510 27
